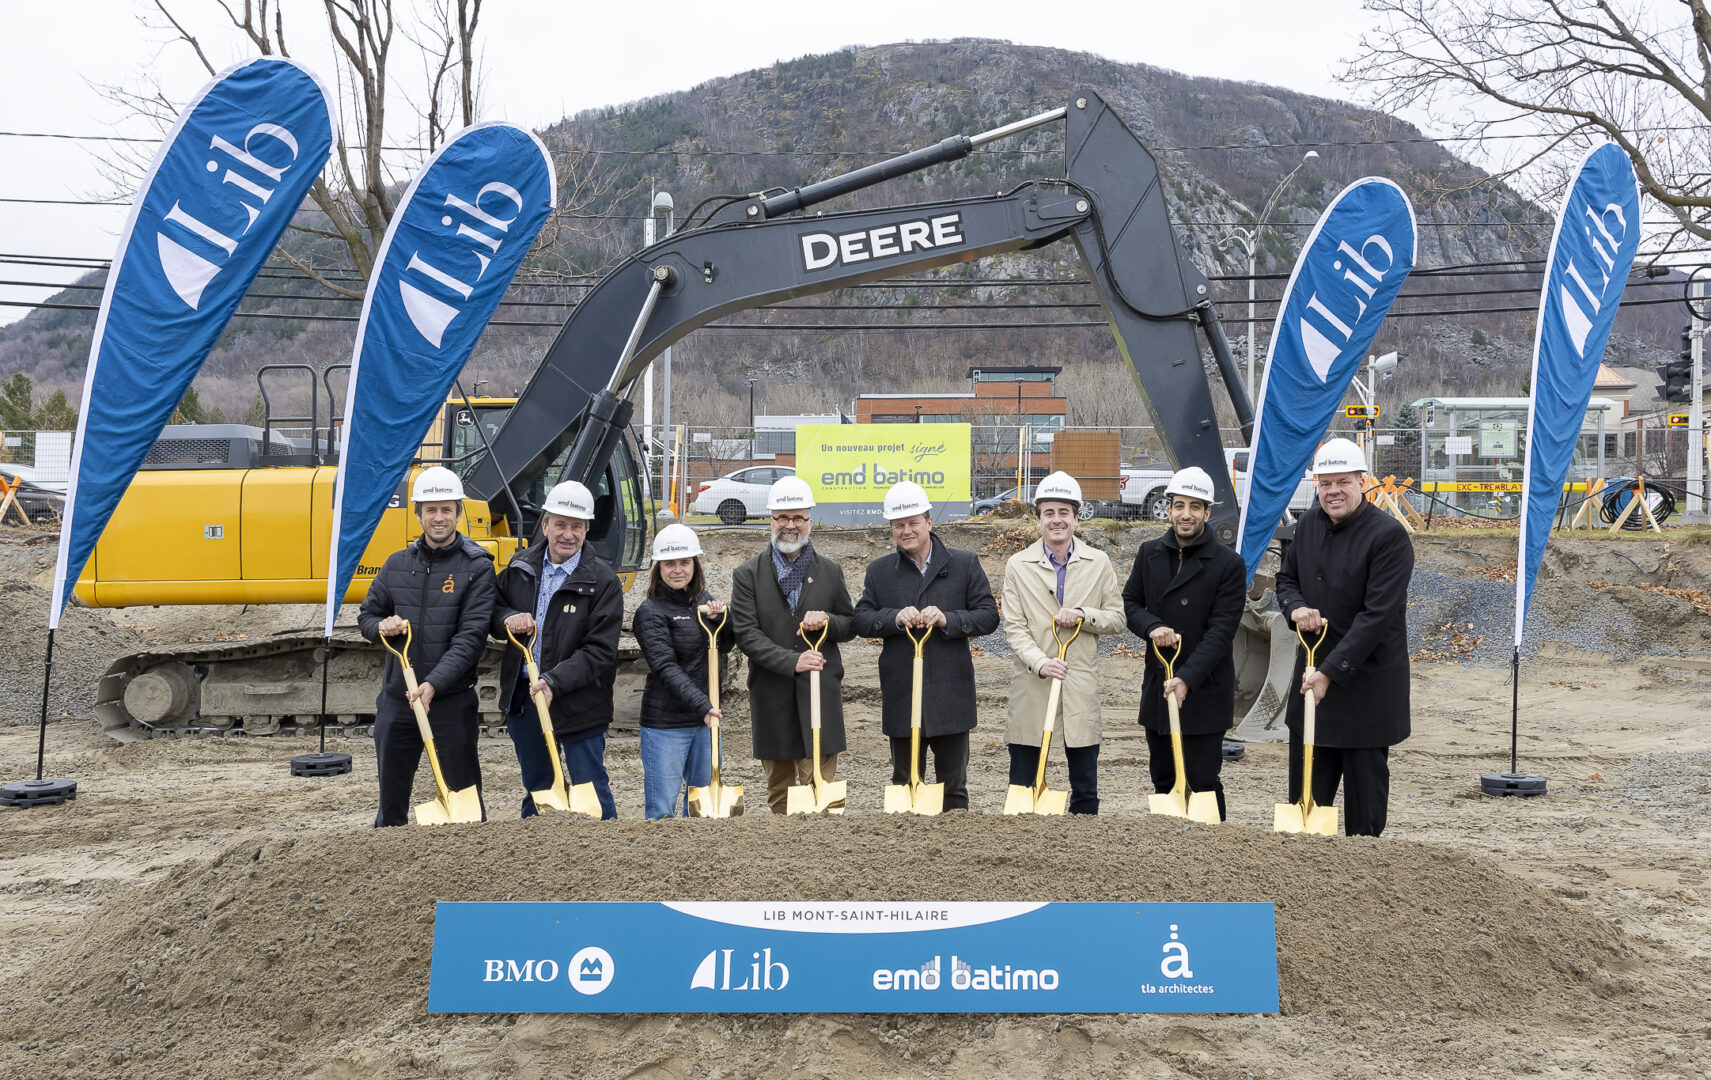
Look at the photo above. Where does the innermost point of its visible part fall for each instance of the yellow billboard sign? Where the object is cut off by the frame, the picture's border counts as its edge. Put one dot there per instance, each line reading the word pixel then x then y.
pixel 850 467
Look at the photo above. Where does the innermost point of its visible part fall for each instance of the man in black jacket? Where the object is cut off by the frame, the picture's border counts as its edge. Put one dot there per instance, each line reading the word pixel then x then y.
pixel 569 593
pixel 442 586
pixel 1349 565
pixel 1186 587
pixel 926 586
pixel 790 586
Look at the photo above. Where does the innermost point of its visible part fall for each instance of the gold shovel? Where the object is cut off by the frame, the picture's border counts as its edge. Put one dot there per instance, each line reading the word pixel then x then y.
pixel 716 799
pixel 450 806
pixel 1303 816
pixel 560 794
pixel 1201 806
pixel 916 798
pixel 817 797
pixel 1038 799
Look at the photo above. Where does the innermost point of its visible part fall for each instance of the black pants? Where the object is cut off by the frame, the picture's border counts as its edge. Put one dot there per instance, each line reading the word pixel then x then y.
pixel 950 765
pixel 1083 773
pixel 1365 776
pixel 456 723
pixel 1202 758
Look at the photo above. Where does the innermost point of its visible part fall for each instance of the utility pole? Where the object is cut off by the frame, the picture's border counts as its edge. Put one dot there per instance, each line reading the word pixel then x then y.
pixel 1696 412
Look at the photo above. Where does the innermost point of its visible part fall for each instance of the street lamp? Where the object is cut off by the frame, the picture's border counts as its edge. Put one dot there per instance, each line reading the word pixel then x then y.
pixel 754 436
pixel 1248 239
pixel 662 204
pixel 1368 392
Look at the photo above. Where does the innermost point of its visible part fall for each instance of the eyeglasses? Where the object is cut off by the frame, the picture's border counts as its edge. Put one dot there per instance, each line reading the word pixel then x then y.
pixel 789 519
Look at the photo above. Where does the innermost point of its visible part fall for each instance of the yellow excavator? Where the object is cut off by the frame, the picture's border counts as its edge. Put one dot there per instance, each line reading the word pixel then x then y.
pixel 234 514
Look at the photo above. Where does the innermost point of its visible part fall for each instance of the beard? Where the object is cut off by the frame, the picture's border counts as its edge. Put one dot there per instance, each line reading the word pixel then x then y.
pixel 791 547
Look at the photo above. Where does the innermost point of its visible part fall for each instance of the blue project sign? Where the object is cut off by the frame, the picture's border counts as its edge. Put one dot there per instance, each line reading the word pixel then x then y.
pixel 807 957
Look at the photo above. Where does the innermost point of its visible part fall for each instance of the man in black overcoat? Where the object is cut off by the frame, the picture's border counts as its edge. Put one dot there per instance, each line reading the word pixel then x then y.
pixel 788 587
pixel 1349 566
pixel 926 586
pixel 1187 588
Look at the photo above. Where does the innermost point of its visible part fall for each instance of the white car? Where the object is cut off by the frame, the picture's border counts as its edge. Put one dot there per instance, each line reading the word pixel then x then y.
pixel 738 496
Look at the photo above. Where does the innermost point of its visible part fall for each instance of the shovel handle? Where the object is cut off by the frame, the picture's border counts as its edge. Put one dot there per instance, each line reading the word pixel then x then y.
pixel 712 633
pixel 814 643
pixel 1170 664
pixel 1062 645
pixel 1324 628
pixel 409 674
pixel 920 643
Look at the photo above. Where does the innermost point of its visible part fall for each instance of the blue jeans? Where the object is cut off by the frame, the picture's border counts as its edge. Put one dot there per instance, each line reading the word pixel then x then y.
pixel 672 758
pixel 584 761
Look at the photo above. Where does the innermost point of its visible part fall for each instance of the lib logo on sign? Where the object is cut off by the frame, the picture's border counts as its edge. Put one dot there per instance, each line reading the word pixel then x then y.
pixel 255 168
pixel 761 973
pixel 430 314
pixel 591 970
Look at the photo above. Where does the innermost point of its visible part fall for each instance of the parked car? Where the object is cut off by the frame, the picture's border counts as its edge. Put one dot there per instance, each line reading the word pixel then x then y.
pixel 1091 509
pixel 993 502
pixel 738 496
pixel 1143 489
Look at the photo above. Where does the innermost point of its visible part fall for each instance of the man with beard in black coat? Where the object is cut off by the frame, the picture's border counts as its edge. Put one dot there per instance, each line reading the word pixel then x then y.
pixel 1349 566
pixel 926 586
pixel 442 586
pixel 1187 588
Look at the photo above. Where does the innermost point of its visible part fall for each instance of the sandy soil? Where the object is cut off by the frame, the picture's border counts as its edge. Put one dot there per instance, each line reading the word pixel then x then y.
pixel 198 911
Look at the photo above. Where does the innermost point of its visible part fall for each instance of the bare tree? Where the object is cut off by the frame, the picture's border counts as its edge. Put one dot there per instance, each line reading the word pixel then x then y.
pixel 1562 74
pixel 356 195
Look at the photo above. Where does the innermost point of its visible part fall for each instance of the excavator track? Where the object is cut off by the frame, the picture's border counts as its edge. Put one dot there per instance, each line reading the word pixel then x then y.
pixel 272 686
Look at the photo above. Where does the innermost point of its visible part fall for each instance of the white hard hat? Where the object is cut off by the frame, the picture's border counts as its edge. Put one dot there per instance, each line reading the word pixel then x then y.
pixel 906 499
pixel 790 493
pixel 1058 487
pixel 1338 456
pixel 570 499
pixel 1191 482
pixel 676 542
pixel 436 484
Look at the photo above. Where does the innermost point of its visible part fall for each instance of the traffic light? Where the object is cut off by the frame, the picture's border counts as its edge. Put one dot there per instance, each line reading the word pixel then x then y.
pixel 1677 376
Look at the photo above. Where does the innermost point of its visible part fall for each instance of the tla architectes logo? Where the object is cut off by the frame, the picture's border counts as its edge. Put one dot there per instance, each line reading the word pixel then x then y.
pixel 759 972
pixel 1175 967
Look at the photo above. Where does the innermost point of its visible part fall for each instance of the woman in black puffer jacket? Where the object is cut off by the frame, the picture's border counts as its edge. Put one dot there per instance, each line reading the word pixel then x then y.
pixel 677 748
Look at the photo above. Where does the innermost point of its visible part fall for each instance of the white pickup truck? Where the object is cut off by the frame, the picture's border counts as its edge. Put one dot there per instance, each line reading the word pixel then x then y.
pixel 1143 489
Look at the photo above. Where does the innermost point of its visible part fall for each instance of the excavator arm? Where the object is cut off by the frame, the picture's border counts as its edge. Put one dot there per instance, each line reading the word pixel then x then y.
pixel 762 250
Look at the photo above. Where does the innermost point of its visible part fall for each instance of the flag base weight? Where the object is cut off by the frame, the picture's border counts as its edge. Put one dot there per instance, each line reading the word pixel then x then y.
pixel 1234 751
pixel 27 793
pixel 1517 784
pixel 320 764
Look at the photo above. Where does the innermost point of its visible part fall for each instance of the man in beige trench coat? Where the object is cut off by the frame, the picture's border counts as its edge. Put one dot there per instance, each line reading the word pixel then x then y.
pixel 1056 583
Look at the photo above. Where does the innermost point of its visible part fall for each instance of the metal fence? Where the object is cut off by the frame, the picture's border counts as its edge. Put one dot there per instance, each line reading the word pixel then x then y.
pixel 41 457
pixel 1459 466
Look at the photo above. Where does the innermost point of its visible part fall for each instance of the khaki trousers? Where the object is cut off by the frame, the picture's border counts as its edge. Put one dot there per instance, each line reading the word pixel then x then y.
pixel 780 775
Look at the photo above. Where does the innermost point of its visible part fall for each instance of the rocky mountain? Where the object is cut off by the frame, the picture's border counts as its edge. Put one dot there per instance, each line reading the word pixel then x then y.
pixel 1222 147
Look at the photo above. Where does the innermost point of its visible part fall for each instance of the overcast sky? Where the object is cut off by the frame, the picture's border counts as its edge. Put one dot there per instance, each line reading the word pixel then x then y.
pixel 545 60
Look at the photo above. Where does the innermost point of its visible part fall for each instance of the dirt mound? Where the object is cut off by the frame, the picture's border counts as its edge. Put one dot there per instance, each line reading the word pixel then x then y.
pixel 278 957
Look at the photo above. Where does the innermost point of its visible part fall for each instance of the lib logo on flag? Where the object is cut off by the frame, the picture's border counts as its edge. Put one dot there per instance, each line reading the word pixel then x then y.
pixel 1363 270
pixel 429 314
pixel 1596 229
pixel 255 169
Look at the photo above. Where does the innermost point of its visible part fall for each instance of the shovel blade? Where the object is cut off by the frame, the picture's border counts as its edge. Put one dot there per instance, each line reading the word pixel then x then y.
pixel 465 805
pixel 433 812
pixel 1019 799
pixel 897 799
pixel 1287 817
pixel 583 800
pixel 927 799
pixel 1170 804
pixel 1203 807
pixel 805 799
pixel 553 798
pixel 1052 803
pixel 1322 821
pixel 716 801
